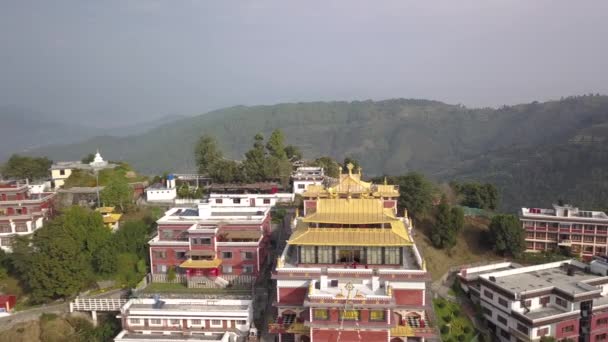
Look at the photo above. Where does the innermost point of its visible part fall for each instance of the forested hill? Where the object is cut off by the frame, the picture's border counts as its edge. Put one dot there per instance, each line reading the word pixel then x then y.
pixel 395 136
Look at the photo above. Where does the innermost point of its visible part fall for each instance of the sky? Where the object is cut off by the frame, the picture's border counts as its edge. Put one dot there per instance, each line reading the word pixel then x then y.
pixel 101 63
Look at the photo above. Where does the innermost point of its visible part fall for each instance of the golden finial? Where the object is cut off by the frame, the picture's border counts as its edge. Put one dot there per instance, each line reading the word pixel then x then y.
pixel 350 167
pixel 360 169
pixel 385 182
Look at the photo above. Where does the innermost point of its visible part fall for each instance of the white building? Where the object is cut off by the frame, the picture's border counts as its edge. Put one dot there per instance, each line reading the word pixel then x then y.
pixel 560 299
pixel 187 320
pixel 162 193
pixel 250 200
pixel 305 176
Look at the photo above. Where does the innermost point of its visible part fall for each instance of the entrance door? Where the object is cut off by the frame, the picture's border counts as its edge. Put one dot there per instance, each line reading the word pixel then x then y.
pixel 252 202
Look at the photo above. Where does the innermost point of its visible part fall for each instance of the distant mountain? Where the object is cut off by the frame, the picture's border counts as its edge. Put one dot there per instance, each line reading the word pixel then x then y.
pixel 507 146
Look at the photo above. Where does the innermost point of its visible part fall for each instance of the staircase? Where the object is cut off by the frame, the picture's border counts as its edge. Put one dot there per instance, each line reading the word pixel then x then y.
pixel 221 282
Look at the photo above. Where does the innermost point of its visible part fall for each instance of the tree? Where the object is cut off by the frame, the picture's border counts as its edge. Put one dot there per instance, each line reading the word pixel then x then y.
pixel 293 153
pixel 276 145
pixel 476 195
pixel 415 193
pixel 32 168
pixel 506 235
pixel 117 193
pixel 445 229
pixel 226 171
pixel 206 153
pixel 88 158
pixel 255 166
pixel 457 218
pixel 349 160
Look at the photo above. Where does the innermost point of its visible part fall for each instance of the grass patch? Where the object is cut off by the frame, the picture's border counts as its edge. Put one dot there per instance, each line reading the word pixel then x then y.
pixel 181 288
pixel 540 258
pixel 453 324
pixel 469 248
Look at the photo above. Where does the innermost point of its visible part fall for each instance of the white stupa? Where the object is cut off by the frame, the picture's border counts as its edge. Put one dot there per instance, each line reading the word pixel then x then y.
pixel 98 161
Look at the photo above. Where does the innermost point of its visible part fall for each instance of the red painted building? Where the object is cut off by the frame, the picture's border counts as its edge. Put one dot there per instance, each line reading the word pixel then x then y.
pixel 350 270
pixel 211 243
pixel 21 212
pixel 584 233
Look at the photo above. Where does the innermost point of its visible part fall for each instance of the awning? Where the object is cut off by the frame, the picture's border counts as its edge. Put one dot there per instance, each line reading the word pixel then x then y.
pixel 201 263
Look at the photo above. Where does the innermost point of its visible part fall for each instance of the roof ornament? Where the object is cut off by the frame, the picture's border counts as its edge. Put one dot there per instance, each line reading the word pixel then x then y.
pixel 385 182
pixel 350 167
pixel 359 169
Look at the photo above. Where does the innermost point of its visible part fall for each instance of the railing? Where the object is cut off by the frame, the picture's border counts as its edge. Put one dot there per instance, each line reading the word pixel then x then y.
pixel 97 304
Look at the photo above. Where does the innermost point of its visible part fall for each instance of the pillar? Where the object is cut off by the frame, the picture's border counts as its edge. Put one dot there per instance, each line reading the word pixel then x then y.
pixel 94 317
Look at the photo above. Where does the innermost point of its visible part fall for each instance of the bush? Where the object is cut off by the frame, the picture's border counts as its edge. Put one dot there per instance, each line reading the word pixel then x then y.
pixel 441 304
pixel 456 312
pixel 444 329
pixel 447 318
pixel 171 274
pixel 466 330
pixel 460 338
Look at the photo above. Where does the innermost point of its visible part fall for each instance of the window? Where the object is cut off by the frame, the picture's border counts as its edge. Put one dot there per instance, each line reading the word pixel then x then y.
pixel 175 322
pixel 602 321
pixel 601 337
pixel 226 268
pixel 62 172
pixel 505 334
pixel 542 331
pixel 135 321
pixel 374 255
pixel 307 254
pixel 266 200
pixel 561 302
pixel 523 329
pixel 167 234
pixel 248 269
pixel 241 322
pixel 349 315
pixel 320 314
pixel 196 322
pixel 488 294
pixel 568 329
pixel 301 186
pixel 155 321
pixel 544 301
pixel 218 201
pixel 236 201
pixel 216 322
pixel 527 303
pixel 503 302
pixel 487 311
pixel 502 319
pixel 204 241
pixel 324 255
pixel 21 228
pixel 180 255
pixel 160 254
pixel 226 255
pixel 5 228
pixel 246 255
pixel 391 255
pixel 376 315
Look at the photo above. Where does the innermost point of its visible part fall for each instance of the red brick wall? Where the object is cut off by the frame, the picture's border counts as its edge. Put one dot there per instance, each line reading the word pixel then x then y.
pixel 409 297
pixel 561 325
pixel 319 335
pixel 389 204
pixel 289 295
pixel 237 262
pixel 599 327
pixel 171 257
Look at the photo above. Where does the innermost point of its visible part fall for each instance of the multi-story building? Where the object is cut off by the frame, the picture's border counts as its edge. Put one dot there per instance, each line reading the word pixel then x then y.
pixel 351 271
pixel 262 194
pixel 187 320
pixel 21 212
pixel 305 176
pixel 583 232
pixel 210 242
pixel 559 299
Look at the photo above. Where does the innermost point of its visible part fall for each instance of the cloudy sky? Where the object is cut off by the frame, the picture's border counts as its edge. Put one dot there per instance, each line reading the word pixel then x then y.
pixel 102 62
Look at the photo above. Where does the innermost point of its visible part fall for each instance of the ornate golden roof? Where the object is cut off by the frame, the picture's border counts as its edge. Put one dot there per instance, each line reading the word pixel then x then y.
pixel 201 263
pixel 350 237
pixel 350 211
pixel 351 183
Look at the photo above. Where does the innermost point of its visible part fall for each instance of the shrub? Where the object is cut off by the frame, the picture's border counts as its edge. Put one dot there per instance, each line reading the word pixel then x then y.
pixel 444 329
pixel 447 318
pixel 456 311
pixel 466 330
pixel 441 304
pixel 460 338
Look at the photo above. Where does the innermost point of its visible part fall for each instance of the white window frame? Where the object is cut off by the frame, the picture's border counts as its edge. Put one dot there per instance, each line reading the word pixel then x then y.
pixel 211 324
pixel 150 322
pixel 139 321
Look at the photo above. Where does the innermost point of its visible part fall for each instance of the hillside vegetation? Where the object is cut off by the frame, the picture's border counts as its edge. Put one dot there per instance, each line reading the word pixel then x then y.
pixel 535 153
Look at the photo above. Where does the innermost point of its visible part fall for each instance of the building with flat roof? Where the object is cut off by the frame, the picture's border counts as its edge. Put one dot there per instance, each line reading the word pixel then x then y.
pixel 304 176
pixel 211 244
pixel 560 299
pixel 583 232
pixel 351 271
pixel 21 211
pixel 186 320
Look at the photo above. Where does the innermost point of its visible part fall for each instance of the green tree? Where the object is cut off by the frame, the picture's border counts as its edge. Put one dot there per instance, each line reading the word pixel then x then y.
pixel 276 145
pixel 457 218
pixel 132 237
pixel 104 260
pixel 293 153
pixel 506 235
pixel 476 195
pixel 117 193
pixel 444 232
pixel 350 160
pixel 88 158
pixel 415 193
pixel 226 171
pixel 32 168
pixel 255 166
pixel 206 153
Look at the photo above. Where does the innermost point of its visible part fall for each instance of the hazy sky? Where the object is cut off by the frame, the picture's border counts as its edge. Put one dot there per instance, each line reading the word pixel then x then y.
pixel 132 60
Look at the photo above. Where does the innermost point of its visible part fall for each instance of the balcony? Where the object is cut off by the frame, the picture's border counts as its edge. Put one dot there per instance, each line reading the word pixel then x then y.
pixel 565 243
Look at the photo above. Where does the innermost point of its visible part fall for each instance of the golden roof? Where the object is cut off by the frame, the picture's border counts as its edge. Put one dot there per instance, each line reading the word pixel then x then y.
pixel 201 263
pixel 351 183
pixel 351 211
pixel 394 236
pixel 111 218
pixel 105 210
